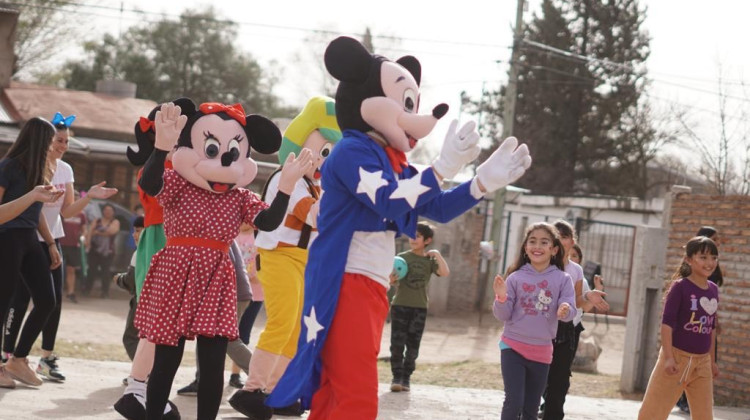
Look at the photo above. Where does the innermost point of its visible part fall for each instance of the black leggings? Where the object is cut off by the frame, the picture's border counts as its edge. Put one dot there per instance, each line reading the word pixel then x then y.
pixel 23 259
pixel 558 379
pixel 21 303
pixel 211 354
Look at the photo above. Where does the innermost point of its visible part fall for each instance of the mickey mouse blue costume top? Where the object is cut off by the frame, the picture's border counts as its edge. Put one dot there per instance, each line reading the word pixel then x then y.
pixel 372 195
pixel 190 289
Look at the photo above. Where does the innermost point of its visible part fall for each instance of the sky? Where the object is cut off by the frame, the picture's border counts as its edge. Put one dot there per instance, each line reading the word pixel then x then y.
pixel 465 46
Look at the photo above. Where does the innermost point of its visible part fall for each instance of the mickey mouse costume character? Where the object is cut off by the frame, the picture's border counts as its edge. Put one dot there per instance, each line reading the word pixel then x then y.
pixel 371 195
pixel 283 257
pixel 190 287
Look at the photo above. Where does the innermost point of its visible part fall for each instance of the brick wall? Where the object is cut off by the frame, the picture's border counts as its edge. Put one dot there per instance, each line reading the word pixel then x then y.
pixel 730 215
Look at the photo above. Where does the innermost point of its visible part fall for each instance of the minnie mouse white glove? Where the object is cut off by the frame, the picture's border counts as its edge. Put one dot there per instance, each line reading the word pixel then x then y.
pixel 168 123
pixel 458 149
pixel 505 165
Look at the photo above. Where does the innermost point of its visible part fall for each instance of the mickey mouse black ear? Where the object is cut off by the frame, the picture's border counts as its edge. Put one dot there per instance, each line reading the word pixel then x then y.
pixel 263 134
pixel 348 60
pixel 411 64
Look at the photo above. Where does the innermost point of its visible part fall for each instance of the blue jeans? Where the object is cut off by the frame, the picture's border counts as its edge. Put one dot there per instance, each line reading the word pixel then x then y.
pixel 524 382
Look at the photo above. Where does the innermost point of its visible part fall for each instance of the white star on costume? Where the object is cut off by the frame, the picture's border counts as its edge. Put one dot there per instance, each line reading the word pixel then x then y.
pixel 410 190
pixel 313 327
pixel 369 182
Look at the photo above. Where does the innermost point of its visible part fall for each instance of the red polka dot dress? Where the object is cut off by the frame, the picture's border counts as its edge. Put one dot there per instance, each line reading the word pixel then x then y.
pixel 191 290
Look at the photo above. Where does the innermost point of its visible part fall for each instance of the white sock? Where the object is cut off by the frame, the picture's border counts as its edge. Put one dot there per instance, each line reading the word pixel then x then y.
pixel 138 389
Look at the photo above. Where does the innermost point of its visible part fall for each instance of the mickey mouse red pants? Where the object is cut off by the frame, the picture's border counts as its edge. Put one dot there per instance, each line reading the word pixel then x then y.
pixel 349 378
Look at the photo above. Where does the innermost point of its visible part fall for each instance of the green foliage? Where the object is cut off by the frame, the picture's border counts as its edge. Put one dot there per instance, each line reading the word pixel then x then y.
pixel 582 119
pixel 45 28
pixel 197 56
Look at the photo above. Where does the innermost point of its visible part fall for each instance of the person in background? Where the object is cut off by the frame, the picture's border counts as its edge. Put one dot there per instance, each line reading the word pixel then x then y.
pixel 246 242
pixel 101 239
pixel 138 210
pixel 565 342
pixel 126 281
pixel 61 177
pixel 23 189
pixel 409 305
pixel 74 228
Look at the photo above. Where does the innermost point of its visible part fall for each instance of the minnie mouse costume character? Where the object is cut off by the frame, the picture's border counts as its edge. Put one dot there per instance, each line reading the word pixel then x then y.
pixel 372 195
pixel 132 404
pixel 190 287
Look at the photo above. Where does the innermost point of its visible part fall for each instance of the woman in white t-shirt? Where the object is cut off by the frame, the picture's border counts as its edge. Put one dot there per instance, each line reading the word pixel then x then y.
pixel 61 175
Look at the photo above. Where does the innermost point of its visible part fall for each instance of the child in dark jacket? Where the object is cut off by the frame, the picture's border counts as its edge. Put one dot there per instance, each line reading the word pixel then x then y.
pixel 126 281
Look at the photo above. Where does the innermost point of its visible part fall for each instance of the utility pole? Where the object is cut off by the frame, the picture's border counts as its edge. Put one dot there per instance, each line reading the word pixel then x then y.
pixel 509 106
pixel 509 113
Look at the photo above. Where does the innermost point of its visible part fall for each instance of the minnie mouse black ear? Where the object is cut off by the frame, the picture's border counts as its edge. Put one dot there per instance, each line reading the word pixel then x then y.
pixel 187 106
pixel 263 134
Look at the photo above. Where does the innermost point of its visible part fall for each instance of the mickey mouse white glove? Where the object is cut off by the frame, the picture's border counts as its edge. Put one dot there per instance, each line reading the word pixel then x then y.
pixel 459 148
pixel 505 165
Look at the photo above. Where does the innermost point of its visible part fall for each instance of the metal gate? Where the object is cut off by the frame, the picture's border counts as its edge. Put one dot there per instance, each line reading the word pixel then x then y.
pixel 606 245
pixel 611 245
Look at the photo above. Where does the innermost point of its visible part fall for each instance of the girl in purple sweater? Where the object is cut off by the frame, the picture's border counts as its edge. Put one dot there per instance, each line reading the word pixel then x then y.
pixel 535 296
pixel 688 331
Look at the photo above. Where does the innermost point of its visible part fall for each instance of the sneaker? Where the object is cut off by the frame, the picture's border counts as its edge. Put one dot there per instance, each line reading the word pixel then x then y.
pixel 405 385
pixel 235 382
pixel 5 380
pixel 190 389
pixel 682 404
pixel 19 369
pixel 6 356
pixel 396 385
pixel 72 297
pixel 48 369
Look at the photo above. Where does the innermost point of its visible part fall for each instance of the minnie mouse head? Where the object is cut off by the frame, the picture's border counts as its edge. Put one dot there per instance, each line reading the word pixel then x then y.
pixel 145 134
pixel 213 149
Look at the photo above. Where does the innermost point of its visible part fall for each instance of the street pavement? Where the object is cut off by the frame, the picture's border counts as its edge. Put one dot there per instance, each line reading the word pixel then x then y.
pixel 93 386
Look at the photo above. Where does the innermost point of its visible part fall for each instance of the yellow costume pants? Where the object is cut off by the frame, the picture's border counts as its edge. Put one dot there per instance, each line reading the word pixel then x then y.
pixel 282 275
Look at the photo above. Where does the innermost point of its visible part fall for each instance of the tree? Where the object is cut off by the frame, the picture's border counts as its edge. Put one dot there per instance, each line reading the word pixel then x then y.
pixel 581 74
pixel 724 152
pixel 45 28
pixel 313 78
pixel 195 56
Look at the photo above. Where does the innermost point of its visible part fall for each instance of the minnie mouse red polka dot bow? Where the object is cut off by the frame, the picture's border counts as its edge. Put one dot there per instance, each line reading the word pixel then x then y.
pixel 236 112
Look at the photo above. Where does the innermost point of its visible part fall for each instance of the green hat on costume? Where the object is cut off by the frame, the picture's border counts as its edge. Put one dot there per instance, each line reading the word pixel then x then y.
pixel 319 114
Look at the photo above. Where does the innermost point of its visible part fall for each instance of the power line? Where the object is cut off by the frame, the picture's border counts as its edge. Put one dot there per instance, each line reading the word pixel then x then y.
pixel 252 24
pixel 581 58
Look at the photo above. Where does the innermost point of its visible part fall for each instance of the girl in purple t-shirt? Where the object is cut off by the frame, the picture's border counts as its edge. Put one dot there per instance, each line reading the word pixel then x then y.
pixel 686 360
pixel 535 296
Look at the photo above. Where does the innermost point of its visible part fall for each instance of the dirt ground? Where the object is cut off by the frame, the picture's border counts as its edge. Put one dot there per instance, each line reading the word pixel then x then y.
pixel 463 346
pixel 458 376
